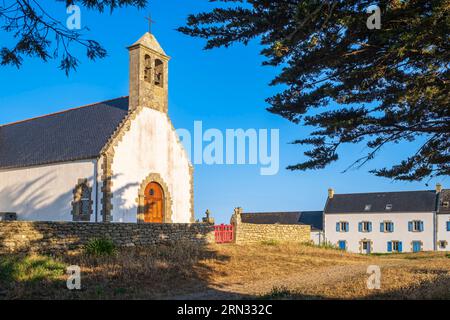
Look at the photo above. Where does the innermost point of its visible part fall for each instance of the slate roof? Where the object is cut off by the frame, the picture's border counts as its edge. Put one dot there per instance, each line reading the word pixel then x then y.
pixel 312 218
pixel 444 198
pixel 70 135
pixel 409 201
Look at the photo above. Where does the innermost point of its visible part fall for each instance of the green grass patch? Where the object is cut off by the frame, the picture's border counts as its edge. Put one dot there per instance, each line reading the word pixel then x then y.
pixel 100 247
pixel 30 268
pixel 277 293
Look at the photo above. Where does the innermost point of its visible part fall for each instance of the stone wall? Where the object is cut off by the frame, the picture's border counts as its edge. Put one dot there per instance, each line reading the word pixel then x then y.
pixel 56 236
pixel 253 233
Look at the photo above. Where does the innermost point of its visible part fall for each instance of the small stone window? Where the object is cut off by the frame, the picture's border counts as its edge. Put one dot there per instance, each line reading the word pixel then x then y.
pixel 147 68
pixel 159 73
pixel 82 201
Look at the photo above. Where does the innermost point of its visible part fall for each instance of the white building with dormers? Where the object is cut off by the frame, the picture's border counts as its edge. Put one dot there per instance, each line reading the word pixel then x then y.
pixel 389 222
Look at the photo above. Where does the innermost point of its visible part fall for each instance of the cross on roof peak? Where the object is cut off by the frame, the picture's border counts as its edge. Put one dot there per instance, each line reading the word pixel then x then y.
pixel 150 22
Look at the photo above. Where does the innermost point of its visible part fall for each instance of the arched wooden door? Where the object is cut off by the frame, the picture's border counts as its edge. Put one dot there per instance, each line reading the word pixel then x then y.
pixel 154 203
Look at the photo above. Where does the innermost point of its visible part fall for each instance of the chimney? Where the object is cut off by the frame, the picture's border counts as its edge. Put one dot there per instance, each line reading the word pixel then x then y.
pixel 331 193
pixel 438 188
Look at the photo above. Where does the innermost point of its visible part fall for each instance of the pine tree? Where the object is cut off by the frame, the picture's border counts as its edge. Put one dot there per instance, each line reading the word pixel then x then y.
pixel 37 34
pixel 390 85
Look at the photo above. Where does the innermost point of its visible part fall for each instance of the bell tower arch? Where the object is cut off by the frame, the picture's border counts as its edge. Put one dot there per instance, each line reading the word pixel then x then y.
pixel 149 74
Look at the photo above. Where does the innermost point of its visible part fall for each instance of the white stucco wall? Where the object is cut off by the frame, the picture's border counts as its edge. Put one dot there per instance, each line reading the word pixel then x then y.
pixel 317 237
pixel 380 239
pixel 442 233
pixel 44 193
pixel 150 146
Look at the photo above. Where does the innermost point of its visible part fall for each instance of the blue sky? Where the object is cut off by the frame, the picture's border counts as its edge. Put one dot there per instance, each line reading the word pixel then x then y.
pixel 224 88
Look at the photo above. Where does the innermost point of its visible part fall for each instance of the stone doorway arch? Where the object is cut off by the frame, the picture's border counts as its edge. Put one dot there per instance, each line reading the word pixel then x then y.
pixel 156 179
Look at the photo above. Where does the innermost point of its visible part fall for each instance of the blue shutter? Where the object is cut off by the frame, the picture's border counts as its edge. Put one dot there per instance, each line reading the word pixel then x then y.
pixel 400 246
pixel 391 227
pixel 421 226
pixel 360 227
pixel 410 226
pixel 370 226
pixel 346 227
pixel 382 227
pixel 389 246
pixel 448 225
pixel 338 227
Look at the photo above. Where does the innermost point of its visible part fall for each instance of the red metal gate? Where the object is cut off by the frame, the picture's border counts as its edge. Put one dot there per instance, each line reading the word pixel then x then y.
pixel 224 233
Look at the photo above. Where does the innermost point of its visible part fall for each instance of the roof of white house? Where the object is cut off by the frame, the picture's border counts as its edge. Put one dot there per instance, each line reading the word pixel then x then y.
pixel 382 202
pixel 444 202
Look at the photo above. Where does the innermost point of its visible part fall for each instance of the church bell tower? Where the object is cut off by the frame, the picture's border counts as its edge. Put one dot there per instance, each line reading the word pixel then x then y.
pixel 149 73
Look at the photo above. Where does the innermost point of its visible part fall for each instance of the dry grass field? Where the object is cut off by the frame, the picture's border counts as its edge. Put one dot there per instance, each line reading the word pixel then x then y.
pixel 261 271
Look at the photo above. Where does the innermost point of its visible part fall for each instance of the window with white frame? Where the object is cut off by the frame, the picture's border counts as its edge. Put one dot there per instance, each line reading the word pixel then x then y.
pixel 396 246
pixel 365 226
pixel 416 226
pixel 387 226
pixel 342 226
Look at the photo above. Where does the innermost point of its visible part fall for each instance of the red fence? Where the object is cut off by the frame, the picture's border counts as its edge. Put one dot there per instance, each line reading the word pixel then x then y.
pixel 224 233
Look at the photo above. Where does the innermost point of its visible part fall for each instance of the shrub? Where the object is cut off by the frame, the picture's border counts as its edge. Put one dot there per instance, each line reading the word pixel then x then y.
pixel 101 247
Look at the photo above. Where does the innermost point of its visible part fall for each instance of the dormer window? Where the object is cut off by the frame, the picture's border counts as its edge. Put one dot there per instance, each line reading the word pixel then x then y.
pixel 446 204
pixel 368 207
pixel 389 207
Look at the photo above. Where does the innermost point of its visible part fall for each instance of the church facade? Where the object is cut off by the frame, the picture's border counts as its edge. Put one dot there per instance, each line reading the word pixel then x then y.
pixel 114 161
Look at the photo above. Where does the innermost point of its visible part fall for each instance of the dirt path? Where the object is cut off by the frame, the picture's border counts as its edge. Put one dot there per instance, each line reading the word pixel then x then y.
pixel 318 277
